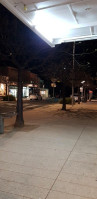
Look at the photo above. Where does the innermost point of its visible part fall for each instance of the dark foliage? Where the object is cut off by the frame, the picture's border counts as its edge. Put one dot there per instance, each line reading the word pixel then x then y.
pixel 9 98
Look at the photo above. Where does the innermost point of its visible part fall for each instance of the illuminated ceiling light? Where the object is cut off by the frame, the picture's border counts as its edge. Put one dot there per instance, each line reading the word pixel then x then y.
pixel 76 18
pixel 49 25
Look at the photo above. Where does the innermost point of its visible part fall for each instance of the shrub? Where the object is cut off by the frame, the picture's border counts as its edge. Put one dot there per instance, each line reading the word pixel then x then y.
pixel 68 100
pixel 10 98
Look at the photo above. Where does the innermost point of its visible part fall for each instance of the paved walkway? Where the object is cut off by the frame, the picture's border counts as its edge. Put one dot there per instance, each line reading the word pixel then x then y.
pixel 53 157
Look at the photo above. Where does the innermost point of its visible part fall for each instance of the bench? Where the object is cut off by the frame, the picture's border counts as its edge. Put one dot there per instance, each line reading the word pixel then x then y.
pixel 2 117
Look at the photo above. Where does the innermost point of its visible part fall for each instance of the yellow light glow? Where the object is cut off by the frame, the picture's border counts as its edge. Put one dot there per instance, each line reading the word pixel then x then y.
pixel 25 7
pixel 42 92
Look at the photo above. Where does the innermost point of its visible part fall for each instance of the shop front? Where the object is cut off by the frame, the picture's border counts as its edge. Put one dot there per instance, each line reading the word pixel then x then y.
pixel 2 89
pixel 13 91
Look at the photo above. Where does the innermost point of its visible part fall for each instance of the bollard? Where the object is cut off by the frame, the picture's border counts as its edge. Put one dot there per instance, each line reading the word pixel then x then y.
pixel 1 124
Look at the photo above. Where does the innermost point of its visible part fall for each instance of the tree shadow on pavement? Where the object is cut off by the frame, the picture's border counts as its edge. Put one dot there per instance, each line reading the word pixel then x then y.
pixel 78 113
pixel 26 128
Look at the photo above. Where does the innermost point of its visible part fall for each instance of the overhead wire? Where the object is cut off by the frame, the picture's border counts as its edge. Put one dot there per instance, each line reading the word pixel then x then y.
pixel 79 54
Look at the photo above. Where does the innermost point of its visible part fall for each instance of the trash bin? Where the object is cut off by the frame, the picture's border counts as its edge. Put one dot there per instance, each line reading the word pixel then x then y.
pixel 1 124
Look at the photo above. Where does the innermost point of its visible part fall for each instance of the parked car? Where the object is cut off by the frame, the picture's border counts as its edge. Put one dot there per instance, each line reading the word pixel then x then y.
pixel 35 97
pixel 75 97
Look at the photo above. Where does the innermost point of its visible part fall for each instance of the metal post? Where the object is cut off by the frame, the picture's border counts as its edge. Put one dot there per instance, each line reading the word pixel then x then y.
pixel 8 91
pixel 73 73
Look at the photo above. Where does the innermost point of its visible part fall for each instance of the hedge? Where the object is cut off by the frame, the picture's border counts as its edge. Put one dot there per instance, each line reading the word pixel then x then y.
pixel 9 98
pixel 68 100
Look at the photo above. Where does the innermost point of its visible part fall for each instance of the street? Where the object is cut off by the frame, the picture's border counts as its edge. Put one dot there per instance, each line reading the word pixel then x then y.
pixel 10 106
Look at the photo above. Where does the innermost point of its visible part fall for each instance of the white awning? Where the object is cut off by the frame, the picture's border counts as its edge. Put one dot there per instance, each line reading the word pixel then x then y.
pixel 57 21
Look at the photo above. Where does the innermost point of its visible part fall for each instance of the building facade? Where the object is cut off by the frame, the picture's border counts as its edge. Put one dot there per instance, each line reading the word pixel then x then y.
pixel 9 80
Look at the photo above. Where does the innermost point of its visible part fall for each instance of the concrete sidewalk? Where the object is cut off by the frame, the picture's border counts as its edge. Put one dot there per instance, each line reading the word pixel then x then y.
pixel 53 157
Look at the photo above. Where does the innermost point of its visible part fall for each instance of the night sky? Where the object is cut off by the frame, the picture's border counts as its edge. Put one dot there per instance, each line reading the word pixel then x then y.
pixel 18 40
pixel 9 34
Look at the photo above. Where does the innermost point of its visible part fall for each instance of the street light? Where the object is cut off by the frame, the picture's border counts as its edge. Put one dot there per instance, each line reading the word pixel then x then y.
pixel 7 83
pixel 73 66
pixel 82 82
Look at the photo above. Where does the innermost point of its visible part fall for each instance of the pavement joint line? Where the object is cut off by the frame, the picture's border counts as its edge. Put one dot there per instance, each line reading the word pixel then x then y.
pixel 35 141
pixel 86 176
pixel 37 156
pixel 43 168
pixel 40 147
pixel 76 184
pixel 83 153
pixel 26 174
pixel 24 184
pixel 66 159
pixel 73 194
pixel 24 197
pixel 83 162
pixel 25 154
pixel 46 178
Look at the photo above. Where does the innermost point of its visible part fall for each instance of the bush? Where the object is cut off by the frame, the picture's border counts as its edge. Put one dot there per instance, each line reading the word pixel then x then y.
pixel 10 98
pixel 68 100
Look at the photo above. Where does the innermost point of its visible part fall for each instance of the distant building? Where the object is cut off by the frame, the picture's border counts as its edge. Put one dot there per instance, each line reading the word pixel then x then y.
pixel 44 92
pixel 9 79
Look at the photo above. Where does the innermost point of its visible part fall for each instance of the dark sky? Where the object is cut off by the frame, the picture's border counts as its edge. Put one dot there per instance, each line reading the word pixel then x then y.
pixel 24 35
pixel 33 46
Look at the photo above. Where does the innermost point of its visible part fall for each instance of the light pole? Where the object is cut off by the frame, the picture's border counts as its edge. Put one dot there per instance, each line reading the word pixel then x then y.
pixel 83 90
pixel 53 85
pixel 53 92
pixel 73 73
pixel 7 87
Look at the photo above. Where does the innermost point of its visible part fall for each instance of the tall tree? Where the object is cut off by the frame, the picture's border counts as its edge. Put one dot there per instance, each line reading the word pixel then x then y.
pixel 17 49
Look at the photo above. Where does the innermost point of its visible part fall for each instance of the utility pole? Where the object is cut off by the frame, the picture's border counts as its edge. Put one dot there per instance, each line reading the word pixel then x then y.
pixel 73 73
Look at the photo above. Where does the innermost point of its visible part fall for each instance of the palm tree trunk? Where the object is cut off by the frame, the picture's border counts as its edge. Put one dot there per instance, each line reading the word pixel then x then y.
pixel 19 118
